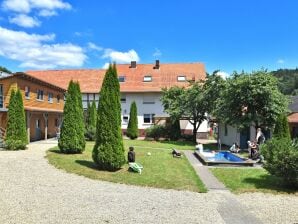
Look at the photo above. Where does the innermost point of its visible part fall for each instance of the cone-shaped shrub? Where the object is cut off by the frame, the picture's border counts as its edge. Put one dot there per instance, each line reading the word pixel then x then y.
pixel 282 129
pixel 72 139
pixel 108 152
pixel 91 122
pixel 16 134
pixel 174 129
pixel 132 128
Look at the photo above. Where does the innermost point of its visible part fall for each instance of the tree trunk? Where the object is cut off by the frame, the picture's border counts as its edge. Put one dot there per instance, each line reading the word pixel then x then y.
pixel 194 132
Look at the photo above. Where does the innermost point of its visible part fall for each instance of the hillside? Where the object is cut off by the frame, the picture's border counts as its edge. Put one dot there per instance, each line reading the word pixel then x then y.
pixel 288 81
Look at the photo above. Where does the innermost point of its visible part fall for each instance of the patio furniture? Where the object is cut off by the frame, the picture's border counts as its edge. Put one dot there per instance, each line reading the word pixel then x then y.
pixel 176 153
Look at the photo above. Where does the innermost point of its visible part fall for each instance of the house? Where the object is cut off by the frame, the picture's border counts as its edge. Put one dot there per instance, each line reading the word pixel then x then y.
pixel 293 117
pixel 141 83
pixel 43 103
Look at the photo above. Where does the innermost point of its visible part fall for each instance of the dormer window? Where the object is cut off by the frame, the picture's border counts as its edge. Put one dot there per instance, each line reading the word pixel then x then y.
pixel 181 78
pixel 121 78
pixel 148 78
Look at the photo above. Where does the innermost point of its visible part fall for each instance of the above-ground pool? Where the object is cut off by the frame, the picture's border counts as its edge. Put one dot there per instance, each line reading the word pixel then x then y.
pixel 223 157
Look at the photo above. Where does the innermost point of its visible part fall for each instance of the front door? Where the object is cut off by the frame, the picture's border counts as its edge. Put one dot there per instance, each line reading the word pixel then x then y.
pixel 244 137
pixel 37 130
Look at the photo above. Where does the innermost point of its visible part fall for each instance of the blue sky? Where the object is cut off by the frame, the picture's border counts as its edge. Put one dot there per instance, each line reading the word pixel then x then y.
pixel 227 35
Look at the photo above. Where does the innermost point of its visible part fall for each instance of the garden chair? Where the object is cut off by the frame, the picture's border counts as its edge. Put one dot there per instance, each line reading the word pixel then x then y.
pixel 176 153
pixel 136 167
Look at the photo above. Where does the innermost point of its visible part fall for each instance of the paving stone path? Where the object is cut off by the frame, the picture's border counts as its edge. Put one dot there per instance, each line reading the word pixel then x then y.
pixel 33 191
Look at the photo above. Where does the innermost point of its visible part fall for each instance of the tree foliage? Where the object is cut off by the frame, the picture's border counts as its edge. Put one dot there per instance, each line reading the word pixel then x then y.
pixel 287 80
pixel 16 134
pixel 251 99
pixel 91 117
pixel 3 69
pixel 72 139
pixel 108 152
pixel 132 128
pixel 281 129
pixel 281 159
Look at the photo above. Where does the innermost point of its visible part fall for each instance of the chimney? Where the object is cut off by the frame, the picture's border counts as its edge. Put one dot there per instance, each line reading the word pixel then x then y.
pixel 133 64
pixel 156 66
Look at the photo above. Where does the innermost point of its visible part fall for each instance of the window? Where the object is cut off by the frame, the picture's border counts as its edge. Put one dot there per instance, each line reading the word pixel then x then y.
pixel 58 98
pixel 121 78
pixel 148 99
pixel 40 94
pixel 57 123
pixel 148 118
pixel 123 98
pixel 50 97
pixel 1 96
pixel 226 130
pixel 27 92
pixel 181 78
pixel 148 78
pixel 125 119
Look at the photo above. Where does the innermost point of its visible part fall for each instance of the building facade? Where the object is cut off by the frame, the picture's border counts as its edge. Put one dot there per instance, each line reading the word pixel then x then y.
pixel 142 83
pixel 43 103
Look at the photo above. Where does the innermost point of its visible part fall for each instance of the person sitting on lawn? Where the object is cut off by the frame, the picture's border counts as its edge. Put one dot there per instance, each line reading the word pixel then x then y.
pixel 252 147
pixel 235 148
pixel 131 156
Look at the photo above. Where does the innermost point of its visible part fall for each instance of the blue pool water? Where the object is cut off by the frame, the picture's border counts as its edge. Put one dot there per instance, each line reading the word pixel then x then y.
pixel 225 156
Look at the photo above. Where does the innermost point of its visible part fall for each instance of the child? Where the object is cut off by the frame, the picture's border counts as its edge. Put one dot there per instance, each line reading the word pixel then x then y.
pixel 131 156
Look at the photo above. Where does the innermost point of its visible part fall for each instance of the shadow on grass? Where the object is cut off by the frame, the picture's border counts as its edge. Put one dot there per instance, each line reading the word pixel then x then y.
pixel 178 143
pixel 92 165
pixel 270 182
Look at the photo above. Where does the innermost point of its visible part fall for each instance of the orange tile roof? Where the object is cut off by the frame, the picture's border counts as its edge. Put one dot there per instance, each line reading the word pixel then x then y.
pixel 91 79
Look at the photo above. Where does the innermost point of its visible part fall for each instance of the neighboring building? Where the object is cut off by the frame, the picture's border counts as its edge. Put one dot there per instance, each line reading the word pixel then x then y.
pixel 43 104
pixel 293 117
pixel 141 83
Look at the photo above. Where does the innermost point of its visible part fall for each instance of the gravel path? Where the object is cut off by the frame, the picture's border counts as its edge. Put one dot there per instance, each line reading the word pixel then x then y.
pixel 32 191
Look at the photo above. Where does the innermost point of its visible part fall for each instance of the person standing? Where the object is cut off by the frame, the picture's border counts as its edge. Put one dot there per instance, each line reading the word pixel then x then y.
pixel 260 138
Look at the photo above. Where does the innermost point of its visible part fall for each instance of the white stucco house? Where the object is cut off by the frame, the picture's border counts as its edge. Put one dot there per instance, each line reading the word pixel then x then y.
pixel 228 135
pixel 141 83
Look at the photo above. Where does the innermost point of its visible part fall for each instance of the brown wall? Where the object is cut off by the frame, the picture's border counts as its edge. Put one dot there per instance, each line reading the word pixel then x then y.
pixel 13 83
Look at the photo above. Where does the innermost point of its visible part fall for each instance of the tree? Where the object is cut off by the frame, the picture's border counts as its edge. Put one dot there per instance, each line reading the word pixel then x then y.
pixel 188 103
pixel 3 69
pixel 132 128
pixel 72 139
pixel 281 129
pixel 16 135
pixel 251 99
pixel 91 122
pixel 108 151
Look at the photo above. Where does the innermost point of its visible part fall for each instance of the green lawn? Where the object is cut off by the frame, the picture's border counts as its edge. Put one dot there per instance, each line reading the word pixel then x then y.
pixel 161 170
pixel 241 180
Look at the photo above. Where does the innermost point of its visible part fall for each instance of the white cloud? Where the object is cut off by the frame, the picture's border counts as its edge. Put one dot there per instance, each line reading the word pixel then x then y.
pixel 22 6
pixel 47 13
pixel 121 57
pixel 24 21
pixel 280 61
pixel 106 65
pixel 157 53
pixel 222 74
pixel 33 51
pixel 93 46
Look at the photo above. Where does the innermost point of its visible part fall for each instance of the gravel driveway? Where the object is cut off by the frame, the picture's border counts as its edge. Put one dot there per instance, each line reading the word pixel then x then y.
pixel 32 191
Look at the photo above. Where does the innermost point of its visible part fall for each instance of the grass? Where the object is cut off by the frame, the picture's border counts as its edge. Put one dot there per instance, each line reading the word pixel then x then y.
pixel 240 180
pixel 161 170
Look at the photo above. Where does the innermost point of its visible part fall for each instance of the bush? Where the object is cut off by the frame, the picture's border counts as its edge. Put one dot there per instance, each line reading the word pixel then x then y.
pixel 132 128
pixel 281 129
pixel 90 133
pixel 156 132
pixel 173 129
pixel 281 159
pixel 16 135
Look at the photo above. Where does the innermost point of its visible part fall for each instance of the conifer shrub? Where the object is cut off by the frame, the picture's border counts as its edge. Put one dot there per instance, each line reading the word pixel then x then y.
pixel 281 159
pixel 132 128
pixel 173 129
pixel 108 151
pixel 281 129
pixel 16 134
pixel 72 139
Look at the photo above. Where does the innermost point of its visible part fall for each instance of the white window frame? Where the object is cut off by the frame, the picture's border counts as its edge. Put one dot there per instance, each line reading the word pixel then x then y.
pixel 150 116
pixel 122 78
pixel 147 78
pixel 181 78
pixel 123 98
pixel 50 97
pixel 38 95
pixel 27 92
pixel 125 119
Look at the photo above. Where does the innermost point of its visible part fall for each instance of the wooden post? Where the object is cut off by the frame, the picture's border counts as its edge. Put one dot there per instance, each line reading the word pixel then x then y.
pixel 45 116
pixel 28 115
